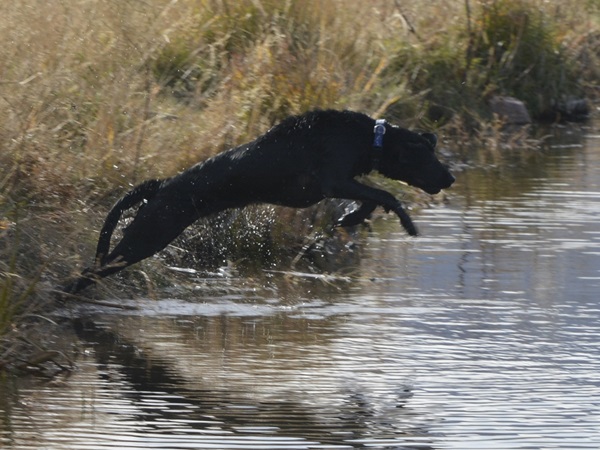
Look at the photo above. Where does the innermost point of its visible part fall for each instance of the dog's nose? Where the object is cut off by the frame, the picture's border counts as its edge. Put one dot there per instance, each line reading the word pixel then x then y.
pixel 450 180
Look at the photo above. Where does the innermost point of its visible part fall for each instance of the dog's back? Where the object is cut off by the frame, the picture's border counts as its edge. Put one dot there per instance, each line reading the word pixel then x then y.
pixel 289 164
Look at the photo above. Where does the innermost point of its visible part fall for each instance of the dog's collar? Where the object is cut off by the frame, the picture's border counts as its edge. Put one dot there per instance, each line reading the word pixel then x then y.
pixel 378 132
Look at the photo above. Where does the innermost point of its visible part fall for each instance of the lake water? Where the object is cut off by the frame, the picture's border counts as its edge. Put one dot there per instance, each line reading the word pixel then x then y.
pixel 484 332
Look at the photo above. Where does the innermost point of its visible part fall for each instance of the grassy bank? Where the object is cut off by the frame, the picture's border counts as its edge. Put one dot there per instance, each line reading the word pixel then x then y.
pixel 99 95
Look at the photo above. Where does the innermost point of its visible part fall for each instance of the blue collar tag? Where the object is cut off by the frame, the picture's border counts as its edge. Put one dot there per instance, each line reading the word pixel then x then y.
pixel 379 131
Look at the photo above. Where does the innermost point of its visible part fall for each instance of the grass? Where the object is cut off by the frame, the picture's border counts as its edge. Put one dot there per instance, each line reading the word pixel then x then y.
pixel 99 95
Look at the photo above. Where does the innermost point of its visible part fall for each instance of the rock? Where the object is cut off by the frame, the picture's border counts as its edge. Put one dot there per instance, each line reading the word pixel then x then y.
pixel 510 109
pixel 575 109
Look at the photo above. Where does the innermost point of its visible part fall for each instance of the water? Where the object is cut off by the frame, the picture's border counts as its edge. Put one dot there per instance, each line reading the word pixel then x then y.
pixel 482 333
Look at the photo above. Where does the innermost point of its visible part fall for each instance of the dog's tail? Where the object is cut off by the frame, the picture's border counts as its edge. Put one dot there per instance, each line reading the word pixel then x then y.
pixel 140 193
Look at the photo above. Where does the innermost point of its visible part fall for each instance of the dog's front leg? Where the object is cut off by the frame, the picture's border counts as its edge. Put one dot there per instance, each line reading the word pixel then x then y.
pixel 353 190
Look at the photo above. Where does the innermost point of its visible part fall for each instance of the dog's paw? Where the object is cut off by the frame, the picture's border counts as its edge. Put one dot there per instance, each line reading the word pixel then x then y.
pixel 410 227
pixel 406 221
pixel 412 230
pixel 350 220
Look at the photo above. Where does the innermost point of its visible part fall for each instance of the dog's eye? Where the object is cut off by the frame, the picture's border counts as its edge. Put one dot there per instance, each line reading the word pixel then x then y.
pixel 430 138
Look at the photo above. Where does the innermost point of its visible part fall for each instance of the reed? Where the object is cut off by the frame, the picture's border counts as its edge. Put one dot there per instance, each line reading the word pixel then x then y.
pixel 98 95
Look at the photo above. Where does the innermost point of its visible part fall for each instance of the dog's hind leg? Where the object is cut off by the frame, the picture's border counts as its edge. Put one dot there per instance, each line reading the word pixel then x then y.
pixel 141 193
pixel 147 235
pixel 154 227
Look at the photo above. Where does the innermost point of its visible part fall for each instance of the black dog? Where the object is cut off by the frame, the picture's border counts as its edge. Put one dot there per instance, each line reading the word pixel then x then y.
pixel 297 163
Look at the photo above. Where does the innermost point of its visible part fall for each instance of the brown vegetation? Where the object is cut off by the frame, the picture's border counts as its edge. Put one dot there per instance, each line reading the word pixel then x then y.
pixel 98 95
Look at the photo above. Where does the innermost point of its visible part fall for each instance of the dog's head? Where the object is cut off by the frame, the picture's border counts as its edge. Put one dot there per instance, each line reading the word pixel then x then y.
pixel 410 157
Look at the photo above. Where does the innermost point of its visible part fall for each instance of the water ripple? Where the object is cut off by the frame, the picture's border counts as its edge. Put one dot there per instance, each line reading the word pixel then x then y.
pixel 482 333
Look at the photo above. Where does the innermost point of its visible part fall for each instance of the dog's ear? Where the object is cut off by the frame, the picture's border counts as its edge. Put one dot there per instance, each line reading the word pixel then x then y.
pixel 430 137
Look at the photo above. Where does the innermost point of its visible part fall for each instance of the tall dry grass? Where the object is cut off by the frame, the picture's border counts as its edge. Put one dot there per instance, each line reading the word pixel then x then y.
pixel 97 95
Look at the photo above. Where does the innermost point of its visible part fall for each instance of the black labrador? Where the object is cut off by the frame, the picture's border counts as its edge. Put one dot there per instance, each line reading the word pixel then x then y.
pixel 299 162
